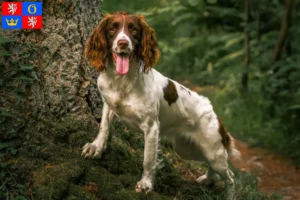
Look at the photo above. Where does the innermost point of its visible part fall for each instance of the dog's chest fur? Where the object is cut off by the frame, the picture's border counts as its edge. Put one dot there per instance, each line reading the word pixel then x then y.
pixel 127 98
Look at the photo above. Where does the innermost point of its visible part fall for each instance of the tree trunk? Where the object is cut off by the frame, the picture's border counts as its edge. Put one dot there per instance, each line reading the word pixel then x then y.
pixel 64 83
pixel 285 25
pixel 54 104
pixel 246 47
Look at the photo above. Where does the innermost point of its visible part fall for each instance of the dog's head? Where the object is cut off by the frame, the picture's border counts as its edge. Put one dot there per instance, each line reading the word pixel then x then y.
pixel 122 36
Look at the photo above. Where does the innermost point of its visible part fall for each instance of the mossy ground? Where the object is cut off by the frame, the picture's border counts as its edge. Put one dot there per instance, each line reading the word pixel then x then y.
pixel 51 167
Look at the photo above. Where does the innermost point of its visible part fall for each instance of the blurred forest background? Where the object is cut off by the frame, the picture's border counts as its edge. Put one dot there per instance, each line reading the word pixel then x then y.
pixel 242 54
pixel 246 50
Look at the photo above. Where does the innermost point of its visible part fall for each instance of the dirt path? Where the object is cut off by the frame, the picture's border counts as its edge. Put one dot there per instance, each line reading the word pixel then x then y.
pixel 274 172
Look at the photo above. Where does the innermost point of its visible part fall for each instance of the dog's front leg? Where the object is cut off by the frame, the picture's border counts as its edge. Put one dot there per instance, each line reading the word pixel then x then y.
pixel 96 148
pixel 151 132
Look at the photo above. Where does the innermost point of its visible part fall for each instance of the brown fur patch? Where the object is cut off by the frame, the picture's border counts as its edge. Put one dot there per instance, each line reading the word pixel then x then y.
pixel 170 93
pixel 148 49
pixel 226 138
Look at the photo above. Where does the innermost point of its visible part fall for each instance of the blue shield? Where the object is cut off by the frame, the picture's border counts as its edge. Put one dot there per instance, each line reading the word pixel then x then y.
pixel 32 8
pixel 11 22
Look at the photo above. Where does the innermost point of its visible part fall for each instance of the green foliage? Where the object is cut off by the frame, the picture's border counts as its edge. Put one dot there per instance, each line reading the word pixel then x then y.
pixel 15 76
pixel 131 7
pixel 197 36
pixel 245 116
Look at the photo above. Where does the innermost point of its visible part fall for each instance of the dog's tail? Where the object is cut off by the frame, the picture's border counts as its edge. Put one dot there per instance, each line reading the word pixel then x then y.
pixel 228 141
pixel 231 149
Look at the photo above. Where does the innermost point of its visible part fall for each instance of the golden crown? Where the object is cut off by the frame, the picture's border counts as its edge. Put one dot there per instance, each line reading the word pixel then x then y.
pixel 12 22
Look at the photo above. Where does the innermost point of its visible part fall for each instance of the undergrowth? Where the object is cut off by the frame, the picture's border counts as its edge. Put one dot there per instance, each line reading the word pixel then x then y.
pixel 15 77
pixel 246 115
pixel 50 166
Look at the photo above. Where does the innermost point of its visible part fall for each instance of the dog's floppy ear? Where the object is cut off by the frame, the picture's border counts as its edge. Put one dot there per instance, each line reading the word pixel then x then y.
pixel 148 48
pixel 96 51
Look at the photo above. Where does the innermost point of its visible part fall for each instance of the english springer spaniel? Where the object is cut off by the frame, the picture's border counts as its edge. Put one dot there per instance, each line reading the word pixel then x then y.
pixel 124 49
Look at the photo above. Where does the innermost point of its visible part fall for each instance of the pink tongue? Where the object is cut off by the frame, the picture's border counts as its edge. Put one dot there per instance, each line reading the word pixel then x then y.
pixel 122 64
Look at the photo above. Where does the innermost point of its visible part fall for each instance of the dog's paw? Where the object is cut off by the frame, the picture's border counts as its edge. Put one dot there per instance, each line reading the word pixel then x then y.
pixel 92 150
pixel 144 186
pixel 205 180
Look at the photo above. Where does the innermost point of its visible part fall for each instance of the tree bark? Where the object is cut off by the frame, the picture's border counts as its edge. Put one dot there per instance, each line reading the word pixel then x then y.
pixel 64 83
pixel 246 47
pixel 285 25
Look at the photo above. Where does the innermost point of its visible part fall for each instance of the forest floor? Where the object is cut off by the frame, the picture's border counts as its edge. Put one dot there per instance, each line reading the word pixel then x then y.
pixel 274 172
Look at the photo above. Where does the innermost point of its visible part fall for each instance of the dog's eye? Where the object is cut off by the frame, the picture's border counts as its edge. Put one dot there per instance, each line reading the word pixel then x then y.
pixel 133 30
pixel 112 30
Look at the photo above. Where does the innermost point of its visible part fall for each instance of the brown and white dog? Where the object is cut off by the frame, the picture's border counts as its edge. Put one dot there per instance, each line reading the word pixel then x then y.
pixel 124 49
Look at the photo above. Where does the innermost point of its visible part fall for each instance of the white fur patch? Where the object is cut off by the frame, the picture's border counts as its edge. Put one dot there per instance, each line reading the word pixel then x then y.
pixel 122 36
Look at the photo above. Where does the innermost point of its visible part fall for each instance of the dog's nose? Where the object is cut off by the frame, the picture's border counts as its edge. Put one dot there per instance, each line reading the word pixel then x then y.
pixel 122 44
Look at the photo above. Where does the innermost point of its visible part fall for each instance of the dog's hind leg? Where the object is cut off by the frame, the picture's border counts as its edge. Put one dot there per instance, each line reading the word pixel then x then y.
pixel 209 178
pixel 189 150
pixel 215 154
pixel 227 176
pixel 216 157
